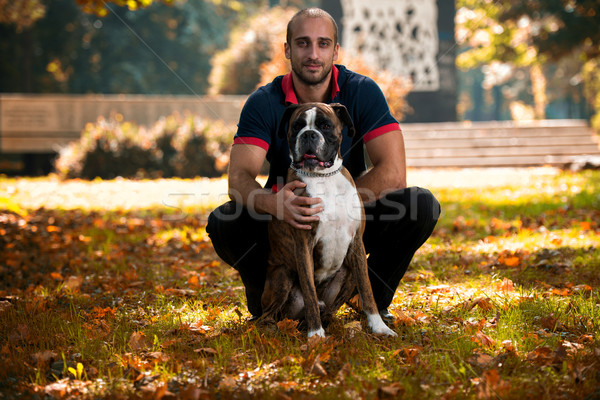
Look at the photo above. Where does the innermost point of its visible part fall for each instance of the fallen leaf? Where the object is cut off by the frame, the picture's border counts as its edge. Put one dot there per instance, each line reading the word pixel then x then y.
pixel 482 302
pixel 483 339
pixel 551 323
pixel 492 386
pixel 207 351
pixel 228 383
pixel 137 341
pixel 505 286
pixel 390 391
pixel 480 360
pixel 73 282
pixel 43 358
pixel 288 327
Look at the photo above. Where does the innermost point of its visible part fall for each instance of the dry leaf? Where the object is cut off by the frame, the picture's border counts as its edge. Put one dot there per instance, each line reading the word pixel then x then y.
pixel 483 339
pixel 390 391
pixel 480 360
pixel 207 351
pixel 288 327
pixel 73 282
pixel 137 341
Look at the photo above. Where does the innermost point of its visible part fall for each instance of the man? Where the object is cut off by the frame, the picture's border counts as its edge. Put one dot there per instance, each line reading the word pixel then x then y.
pixel 399 219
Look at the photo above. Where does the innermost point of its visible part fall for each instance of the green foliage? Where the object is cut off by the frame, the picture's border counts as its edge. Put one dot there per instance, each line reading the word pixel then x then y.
pixel 561 27
pixel 591 77
pixel 181 146
pixel 159 49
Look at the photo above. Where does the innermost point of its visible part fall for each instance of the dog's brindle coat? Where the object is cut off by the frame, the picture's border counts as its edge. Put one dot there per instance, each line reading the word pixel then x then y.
pixel 312 273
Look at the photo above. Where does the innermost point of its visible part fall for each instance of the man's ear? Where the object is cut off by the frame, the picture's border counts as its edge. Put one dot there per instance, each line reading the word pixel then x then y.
pixel 342 113
pixel 281 130
pixel 287 49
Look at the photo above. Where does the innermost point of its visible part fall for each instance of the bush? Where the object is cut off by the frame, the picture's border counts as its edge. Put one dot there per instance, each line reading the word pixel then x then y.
pixel 175 146
pixel 236 69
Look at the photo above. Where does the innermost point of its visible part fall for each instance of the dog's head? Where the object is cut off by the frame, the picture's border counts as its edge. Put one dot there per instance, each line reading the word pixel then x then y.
pixel 315 133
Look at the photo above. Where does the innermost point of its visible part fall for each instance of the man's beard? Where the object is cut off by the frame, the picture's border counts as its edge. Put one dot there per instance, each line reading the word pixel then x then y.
pixel 311 79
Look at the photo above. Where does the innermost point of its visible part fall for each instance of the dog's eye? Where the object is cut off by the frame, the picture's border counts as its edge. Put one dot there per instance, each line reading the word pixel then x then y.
pixel 298 125
pixel 324 125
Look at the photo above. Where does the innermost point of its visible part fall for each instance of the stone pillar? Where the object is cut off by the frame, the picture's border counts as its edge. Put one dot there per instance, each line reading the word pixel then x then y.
pixel 413 38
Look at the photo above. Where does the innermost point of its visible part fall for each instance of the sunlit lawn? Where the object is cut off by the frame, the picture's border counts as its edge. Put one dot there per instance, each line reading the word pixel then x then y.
pixel 112 289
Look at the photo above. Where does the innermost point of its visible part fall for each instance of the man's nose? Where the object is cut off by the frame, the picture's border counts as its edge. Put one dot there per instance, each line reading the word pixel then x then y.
pixel 313 54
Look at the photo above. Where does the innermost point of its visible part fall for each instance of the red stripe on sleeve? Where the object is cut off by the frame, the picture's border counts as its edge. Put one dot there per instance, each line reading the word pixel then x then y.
pixel 381 130
pixel 253 141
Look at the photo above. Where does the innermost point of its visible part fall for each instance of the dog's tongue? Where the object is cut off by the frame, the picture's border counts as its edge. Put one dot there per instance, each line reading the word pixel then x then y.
pixel 310 160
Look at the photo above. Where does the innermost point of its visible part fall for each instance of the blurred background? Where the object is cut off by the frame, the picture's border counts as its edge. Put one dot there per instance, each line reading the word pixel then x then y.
pixel 151 88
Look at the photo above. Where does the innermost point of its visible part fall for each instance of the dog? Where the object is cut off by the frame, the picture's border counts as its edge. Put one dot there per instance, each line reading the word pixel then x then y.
pixel 312 273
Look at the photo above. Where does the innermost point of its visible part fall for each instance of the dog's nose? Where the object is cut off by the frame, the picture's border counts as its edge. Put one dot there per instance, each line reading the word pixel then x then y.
pixel 312 135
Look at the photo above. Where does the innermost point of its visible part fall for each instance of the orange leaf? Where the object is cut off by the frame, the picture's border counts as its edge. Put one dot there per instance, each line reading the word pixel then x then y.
pixel 483 339
pixel 288 327
pixel 585 225
pixel 512 261
pixel 505 286
pixel 194 281
pixel 56 276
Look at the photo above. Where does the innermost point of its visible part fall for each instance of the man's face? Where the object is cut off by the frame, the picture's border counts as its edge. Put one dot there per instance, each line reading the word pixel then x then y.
pixel 312 50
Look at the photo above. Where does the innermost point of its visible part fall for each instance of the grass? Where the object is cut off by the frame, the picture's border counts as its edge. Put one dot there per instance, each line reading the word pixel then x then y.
pixel 111 289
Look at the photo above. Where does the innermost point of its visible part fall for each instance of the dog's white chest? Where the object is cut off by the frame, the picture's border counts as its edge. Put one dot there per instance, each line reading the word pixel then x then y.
pixel 339 220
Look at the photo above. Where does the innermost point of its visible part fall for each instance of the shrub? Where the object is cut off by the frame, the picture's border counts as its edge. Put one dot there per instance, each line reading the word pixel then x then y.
pixel 175 146
pixel 236 69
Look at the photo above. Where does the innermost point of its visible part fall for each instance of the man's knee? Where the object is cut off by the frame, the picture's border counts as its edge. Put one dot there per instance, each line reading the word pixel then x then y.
pixel 414 203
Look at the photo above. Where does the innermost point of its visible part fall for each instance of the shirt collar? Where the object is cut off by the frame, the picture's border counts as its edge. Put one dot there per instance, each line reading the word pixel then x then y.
pixel 288 86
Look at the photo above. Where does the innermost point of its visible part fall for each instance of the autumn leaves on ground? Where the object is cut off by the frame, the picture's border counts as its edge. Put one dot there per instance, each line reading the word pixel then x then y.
pixel 112 290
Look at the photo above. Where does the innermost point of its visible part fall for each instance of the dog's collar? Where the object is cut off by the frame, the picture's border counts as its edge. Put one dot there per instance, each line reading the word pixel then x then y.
pixel 316 174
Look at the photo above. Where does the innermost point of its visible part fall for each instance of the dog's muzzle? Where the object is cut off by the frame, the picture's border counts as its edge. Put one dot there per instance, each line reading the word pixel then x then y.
pixel 311 152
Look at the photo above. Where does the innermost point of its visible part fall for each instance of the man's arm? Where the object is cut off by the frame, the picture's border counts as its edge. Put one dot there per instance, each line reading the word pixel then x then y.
pixel 244 166
pixel 387 155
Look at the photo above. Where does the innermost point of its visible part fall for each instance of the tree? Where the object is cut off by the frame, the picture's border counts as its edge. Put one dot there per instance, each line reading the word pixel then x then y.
pixel 561 26
pixel 500 45
pixel 21 13
pixel 160 48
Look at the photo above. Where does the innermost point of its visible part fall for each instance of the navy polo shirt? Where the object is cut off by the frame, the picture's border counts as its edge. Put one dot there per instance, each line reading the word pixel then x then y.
pixel 264 108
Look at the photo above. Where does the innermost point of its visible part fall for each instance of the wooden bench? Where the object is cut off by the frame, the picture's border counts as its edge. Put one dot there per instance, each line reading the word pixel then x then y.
pixel 498 143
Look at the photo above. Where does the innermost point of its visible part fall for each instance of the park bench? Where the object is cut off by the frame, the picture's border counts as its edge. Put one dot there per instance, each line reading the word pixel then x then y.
pixel 499 143
pixel 38 125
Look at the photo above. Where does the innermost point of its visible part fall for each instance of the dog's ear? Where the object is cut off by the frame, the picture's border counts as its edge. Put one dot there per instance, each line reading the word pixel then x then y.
pixel 281 129
pixel 344 116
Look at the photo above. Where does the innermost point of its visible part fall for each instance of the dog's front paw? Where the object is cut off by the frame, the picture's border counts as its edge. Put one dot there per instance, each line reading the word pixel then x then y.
pixel 318 332
pixel 379 327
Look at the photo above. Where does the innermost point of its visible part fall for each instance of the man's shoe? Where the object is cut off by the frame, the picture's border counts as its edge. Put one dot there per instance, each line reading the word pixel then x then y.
pixel 386 315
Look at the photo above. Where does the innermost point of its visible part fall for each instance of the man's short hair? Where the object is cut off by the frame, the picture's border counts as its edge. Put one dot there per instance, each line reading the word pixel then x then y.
pixel 312 12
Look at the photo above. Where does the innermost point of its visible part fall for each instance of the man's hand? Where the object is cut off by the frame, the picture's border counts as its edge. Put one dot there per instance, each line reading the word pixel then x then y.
pixel 298 211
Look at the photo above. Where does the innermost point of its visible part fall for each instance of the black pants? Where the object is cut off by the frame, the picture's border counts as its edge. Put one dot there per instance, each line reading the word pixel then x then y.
pixel 397 225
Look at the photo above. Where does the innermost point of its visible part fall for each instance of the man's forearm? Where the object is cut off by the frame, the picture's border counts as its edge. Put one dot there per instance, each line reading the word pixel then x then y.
pixel 378 181
pixel 246 190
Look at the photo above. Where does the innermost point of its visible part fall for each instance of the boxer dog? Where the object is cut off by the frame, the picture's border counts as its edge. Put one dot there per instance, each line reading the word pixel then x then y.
pixel 312 273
